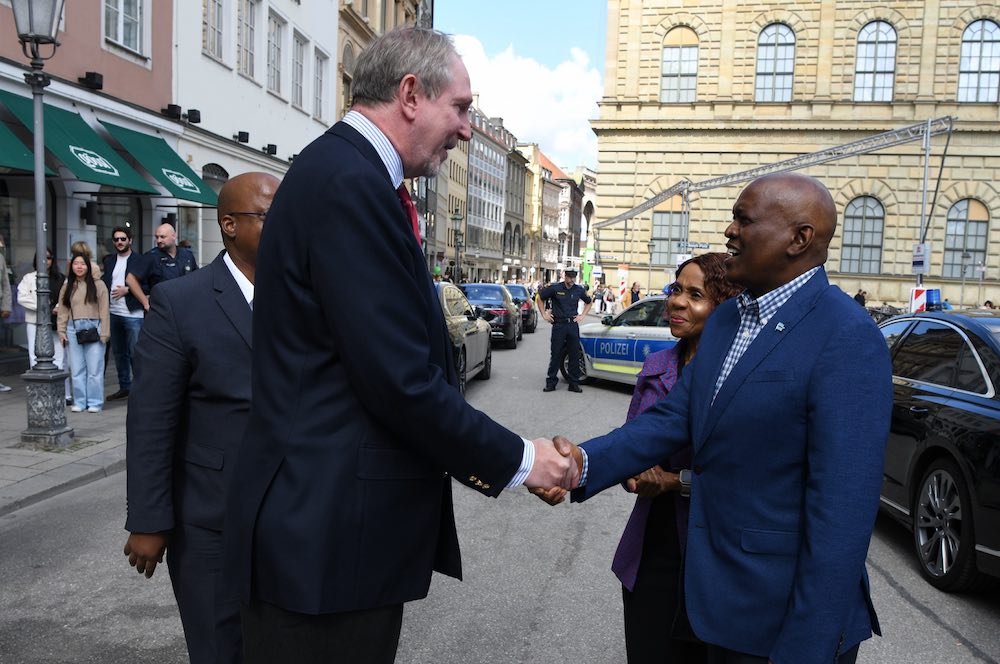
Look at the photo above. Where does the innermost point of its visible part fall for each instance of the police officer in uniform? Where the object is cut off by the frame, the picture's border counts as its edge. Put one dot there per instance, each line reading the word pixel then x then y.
pixel 165 261
pixel 564 298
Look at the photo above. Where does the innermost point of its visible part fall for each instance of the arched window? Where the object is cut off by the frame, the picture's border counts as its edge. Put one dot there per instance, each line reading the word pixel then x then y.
pixel 680 67
pixel 979 66
pixel 875 64
pixel 775 63
pixel 968 221
pixel 864 220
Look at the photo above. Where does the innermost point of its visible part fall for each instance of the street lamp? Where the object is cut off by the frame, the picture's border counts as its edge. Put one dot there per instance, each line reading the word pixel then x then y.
pixel 456 219
pixel 651 246
pixel 966 260
pixel 37 22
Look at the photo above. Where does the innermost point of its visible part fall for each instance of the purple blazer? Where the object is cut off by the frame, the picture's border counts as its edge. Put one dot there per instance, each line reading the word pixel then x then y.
pixel 654 381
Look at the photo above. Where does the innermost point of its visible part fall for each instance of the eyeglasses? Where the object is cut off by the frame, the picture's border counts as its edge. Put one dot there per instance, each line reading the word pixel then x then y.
pixel 260 215
pixel 120 239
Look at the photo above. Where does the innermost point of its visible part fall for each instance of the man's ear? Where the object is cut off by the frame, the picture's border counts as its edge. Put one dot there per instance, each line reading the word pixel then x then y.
pixel 228 226
pixel 407 96
pixel 802 239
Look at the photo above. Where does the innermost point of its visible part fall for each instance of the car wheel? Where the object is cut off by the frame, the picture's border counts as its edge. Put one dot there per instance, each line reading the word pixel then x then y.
pixel 564 369
pixel 460 370
pixel 512 342
pixel 520 332
pixel 943 533
pixel 487 365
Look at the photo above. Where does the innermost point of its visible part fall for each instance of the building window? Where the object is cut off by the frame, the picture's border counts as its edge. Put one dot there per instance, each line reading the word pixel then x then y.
pixel 979 66
pixel 319 86
pixel 298 68
pixel 775 63
pixel 864 220
pixel 968 220
pixel 875 64
pixel 246 21
pixel 680 67
pixel 123 23
pixel 669 230
pixel 275 35
pixel 347 78
pixel 211 28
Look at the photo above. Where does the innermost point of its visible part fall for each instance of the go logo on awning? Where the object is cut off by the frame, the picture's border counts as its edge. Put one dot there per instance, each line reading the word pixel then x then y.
pixel 181 181
pixel 93 161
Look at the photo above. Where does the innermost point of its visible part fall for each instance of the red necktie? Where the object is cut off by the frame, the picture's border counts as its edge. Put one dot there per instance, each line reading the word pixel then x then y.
pixel 411 209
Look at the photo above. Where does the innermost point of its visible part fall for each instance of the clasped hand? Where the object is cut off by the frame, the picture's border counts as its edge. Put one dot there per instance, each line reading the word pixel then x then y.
pixel 558 452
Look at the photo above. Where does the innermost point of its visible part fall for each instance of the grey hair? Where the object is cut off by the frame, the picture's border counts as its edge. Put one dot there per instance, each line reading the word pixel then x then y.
pixel 424 53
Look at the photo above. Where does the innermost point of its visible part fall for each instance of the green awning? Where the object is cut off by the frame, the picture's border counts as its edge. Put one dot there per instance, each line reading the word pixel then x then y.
pixel 13 154
pixel 78 146
pixel 163 164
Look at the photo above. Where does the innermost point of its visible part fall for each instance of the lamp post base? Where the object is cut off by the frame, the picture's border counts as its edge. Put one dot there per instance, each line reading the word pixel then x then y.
pixel 46 409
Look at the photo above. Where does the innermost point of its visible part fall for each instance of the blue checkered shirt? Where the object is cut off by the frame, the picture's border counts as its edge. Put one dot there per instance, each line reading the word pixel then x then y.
pixel 754 314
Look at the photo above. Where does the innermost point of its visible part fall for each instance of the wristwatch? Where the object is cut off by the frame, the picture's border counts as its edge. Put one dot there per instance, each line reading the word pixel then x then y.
pixel 685 479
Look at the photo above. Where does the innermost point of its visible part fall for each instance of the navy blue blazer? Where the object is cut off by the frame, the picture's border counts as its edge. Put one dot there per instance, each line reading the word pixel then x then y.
pixel 189 402
pixel 342 496
pixel 786 475
pixel 131 265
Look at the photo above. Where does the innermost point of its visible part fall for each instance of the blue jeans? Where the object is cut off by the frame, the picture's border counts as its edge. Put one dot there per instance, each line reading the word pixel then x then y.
pixel 87 364
pixel 124 333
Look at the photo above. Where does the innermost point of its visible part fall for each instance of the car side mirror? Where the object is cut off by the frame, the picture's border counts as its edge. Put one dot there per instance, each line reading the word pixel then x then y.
pixel 606 321
pixel 517 301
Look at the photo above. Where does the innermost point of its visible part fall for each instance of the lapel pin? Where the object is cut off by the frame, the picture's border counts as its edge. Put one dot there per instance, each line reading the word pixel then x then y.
pixel 780 327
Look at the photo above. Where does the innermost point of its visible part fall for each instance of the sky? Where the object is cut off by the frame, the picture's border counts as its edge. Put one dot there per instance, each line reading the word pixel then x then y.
pixel 538 64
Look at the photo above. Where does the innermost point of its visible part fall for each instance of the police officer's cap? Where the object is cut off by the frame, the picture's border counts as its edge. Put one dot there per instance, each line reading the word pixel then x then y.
pixel 570 272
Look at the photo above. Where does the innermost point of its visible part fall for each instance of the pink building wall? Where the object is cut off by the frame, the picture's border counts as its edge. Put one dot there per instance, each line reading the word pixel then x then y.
pixel 83 48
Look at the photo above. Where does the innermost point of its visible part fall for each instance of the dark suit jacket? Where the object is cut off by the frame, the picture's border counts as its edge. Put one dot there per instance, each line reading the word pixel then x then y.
pixel 189 402
pixel 131 265
pixel 787 470
pixel 342 498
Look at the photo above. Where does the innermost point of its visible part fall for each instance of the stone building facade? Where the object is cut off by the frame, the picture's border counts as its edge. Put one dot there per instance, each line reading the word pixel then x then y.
pixel 703 88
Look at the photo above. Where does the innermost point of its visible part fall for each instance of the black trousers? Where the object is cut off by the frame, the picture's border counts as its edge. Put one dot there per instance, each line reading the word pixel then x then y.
pixel 565 339
pixel 272 635
pixel 717 655
pixel 210 614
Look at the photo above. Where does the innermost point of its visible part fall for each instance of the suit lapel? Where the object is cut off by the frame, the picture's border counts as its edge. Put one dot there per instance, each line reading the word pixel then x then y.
pixel 230 299
pixel 789 315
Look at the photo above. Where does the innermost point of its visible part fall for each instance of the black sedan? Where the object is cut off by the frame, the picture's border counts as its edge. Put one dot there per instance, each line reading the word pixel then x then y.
pixel 526 303
pixel 494 298
pixel 470 335
pixel 942 462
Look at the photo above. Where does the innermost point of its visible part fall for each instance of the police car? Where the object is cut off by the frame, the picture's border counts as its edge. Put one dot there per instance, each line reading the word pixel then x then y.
pixel 615 348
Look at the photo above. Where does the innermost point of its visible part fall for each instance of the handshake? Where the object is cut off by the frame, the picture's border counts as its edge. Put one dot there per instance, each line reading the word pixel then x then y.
pixel 558 468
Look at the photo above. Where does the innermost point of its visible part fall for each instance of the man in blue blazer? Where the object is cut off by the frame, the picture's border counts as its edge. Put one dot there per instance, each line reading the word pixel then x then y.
pixel 187 413
pixel 341 505
pixel 787 405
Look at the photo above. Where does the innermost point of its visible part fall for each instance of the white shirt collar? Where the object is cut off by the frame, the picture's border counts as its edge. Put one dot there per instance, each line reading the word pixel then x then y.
pixel 383 146
pixel 241 280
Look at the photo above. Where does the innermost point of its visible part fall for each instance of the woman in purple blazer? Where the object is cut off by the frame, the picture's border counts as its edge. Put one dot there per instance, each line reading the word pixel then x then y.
pixel 648 559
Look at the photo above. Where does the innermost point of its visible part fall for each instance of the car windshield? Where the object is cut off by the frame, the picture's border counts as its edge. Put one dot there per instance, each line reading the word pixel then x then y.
pixel 483 294
pixel 518 291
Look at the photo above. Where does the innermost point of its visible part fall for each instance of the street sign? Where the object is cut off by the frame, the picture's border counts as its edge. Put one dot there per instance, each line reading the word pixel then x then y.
pixel 684 244
pixel 921 255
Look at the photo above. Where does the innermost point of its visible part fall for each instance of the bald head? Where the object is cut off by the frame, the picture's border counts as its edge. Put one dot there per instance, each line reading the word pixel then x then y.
pixel 782 227
pixel 166 238
pixel 243 205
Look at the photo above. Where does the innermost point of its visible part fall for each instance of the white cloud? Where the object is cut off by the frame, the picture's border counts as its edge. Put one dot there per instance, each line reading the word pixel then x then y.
pixel 551 107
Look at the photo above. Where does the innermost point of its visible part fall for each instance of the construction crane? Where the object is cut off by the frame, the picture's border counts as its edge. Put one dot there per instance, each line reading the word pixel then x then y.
pixel 917 132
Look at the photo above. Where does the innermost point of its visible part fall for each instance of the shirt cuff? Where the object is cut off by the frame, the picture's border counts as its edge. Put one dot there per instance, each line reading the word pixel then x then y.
pixel 586 466
pixel 527 461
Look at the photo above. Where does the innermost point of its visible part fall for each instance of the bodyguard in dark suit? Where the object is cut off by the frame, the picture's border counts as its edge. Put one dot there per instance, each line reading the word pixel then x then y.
pixel 341 504
pixel 187 413
pixel 787 405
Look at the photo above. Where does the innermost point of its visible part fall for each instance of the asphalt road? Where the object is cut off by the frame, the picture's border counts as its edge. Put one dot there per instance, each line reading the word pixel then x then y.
pixel 537 586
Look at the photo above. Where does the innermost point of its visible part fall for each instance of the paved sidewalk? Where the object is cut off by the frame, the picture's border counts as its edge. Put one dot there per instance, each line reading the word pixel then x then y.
pixel 29 475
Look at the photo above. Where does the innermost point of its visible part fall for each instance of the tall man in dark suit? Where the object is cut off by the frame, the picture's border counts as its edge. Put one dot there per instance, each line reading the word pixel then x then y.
pixel 187 413
pixel 787 405
pixel 341 505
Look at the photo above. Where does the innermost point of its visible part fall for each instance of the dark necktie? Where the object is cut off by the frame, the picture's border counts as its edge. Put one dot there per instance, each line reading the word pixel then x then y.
pixel 411 209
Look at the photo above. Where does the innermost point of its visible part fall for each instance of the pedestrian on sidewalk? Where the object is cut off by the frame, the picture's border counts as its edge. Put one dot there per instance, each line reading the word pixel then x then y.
pixel 126 311
pixel 5 296
pixel 187 414
pixel 27 297
pixel 83 326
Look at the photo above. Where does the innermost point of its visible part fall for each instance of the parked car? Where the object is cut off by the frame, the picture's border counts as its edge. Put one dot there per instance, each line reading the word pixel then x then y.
pixel 525 301
pixel 470 335
pixel 942 460
pixel 494 298
pixel 615 348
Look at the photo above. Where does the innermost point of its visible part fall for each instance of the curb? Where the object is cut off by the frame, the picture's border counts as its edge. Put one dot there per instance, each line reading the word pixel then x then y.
pixel 88 474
